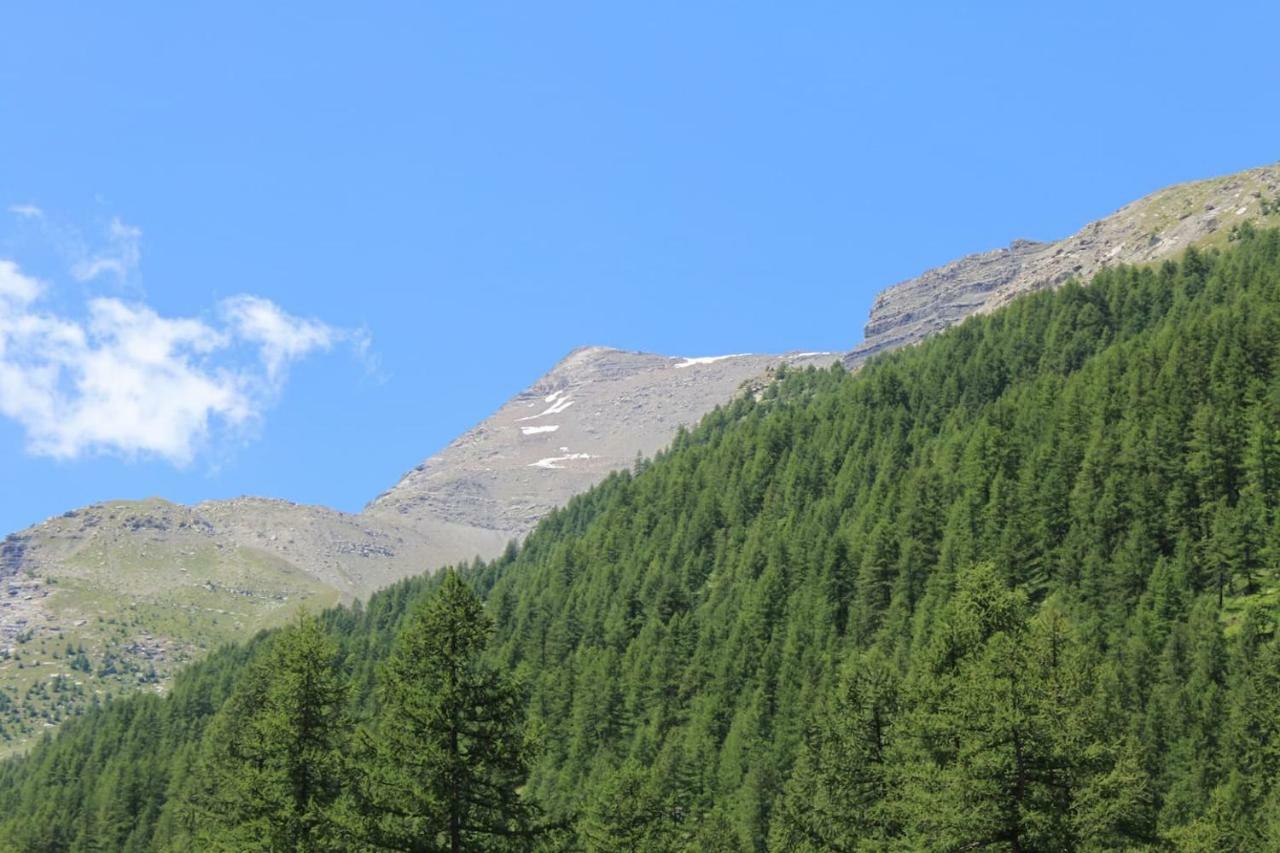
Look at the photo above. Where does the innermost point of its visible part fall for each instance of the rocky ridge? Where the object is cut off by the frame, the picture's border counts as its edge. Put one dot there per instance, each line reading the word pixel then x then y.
pixel 1158 226
pixel 593 413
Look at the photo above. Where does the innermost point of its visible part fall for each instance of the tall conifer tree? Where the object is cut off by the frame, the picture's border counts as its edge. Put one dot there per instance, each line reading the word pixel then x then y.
pixel 273 768
pixel 444 764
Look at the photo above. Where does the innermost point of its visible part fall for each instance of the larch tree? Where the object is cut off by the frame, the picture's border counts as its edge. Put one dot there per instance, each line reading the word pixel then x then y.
pixel 442 767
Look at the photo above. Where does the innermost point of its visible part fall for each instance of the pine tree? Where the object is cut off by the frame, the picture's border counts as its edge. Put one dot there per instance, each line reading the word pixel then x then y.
pixel 273 766
pixel 627 812
pixel 835 797
pixel 443 766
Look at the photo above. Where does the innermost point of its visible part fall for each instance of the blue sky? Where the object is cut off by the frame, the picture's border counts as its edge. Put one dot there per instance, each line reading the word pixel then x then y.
pixel 359 228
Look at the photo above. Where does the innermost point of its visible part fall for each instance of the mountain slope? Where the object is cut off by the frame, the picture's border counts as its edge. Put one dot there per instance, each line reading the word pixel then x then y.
pixel 117 596
pixel 1157 227
pixel 1010 589
pixel 130 591
pixel 594 413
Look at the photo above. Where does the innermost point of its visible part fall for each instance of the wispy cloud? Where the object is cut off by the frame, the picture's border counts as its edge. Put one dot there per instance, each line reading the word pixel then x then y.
pixel 119 258
pixel 280 337
pixel 26 211
pixel 117 377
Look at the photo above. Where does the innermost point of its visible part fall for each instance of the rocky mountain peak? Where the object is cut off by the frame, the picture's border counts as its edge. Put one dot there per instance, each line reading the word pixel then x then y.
pixel 589 415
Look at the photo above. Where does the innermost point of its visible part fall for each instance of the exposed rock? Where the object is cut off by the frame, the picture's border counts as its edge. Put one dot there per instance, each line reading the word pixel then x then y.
pixel 1153 228
pixel 593 413
pixel 12 550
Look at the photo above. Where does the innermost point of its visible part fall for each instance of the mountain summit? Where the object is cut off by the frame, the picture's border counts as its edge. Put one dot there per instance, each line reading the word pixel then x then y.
pixel 593 413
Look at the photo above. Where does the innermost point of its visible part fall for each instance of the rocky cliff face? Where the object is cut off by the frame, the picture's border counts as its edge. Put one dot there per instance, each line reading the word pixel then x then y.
pixel 1150 229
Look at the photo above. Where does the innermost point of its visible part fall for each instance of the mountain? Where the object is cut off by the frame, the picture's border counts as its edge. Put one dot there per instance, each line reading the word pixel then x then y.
pixel 593 413
pixel 130 591
pixel 1154 228
pixel 1012 589
pixel 144 587
pixel 117 596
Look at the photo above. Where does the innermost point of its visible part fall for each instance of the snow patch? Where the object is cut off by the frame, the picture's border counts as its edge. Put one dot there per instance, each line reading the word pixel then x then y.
pixel 551 398
pixel 550 461
pixel 1242 211
pixel 536 430
pixel 708 359
pixel 554 409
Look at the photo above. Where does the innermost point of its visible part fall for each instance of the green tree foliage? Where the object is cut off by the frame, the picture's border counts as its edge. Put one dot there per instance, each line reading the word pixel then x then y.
pixel 1015 588
pixel 628 812
pixel 443 764
pixel 1008 743
pixel 271 766
pixel 837 794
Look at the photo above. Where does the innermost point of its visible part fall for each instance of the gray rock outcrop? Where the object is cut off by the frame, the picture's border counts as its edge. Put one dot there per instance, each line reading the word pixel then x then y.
pixel 1159 226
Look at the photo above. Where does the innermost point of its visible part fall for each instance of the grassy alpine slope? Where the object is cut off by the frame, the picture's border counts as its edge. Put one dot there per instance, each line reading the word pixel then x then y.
pixel 120 611
pixel 1015 587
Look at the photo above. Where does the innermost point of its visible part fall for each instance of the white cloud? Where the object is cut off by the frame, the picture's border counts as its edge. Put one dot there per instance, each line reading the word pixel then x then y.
pixel 120 258
pixel 26 211
pixel 15 287
pixel 280 337
pixel 123 379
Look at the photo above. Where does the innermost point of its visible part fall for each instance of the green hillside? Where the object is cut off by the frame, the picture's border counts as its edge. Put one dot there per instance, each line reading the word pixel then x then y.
pixel 1015 588
pixel 121 613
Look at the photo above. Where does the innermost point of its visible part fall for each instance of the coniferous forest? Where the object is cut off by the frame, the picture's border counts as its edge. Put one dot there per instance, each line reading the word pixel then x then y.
pixel 1015 588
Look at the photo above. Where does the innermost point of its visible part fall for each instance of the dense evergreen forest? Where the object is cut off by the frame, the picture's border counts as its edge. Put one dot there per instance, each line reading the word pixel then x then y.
pixel 1014 588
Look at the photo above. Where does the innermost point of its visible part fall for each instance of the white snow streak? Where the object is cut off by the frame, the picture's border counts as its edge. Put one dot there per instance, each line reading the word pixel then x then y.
pixel 536 430
pixel 554 409
pixel 550 461
pixel 709 359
